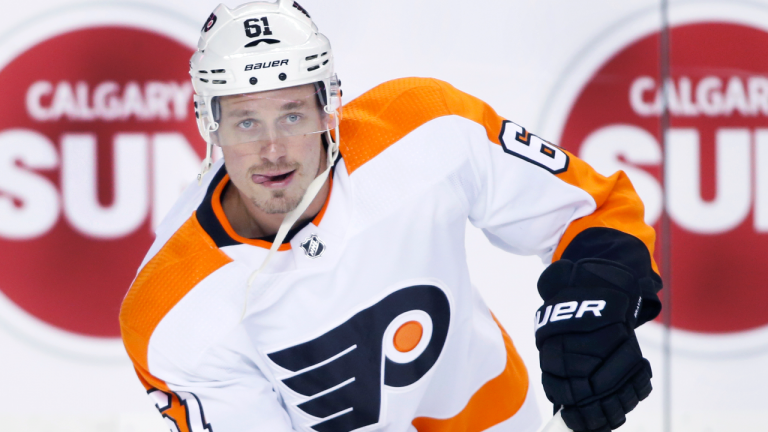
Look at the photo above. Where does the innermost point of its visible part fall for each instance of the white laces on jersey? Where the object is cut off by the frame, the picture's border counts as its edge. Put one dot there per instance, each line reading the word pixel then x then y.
pixel 293 216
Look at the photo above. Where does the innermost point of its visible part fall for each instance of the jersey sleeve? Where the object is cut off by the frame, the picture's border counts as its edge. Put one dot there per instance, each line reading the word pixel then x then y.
pixel 531 197
pixel 532 203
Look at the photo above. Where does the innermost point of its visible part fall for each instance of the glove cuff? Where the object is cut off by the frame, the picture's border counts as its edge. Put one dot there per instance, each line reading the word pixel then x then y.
pixel 586 273
pixel 585 296
pixel 625 248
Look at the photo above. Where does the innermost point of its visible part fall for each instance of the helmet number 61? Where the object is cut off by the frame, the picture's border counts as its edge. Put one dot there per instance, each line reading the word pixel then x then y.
pixel 253 28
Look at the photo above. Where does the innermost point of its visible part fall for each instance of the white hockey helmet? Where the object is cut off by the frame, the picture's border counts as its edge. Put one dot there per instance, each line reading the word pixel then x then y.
pixel 257 47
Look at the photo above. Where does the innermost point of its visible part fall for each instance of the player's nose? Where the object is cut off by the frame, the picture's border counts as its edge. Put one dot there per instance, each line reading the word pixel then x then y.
pixel 273 147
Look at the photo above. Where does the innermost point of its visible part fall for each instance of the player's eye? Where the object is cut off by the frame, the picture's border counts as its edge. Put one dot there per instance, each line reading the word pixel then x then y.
pixel 292 118
pixel 246 124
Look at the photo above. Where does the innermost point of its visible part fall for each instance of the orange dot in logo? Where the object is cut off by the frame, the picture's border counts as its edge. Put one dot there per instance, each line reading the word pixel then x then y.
pixel 408 336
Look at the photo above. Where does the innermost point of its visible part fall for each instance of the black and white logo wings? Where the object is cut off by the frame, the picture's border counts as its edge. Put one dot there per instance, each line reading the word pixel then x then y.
pixel 340 375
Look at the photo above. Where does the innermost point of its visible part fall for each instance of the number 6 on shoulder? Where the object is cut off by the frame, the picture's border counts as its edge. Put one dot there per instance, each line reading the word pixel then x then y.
pixel 519 142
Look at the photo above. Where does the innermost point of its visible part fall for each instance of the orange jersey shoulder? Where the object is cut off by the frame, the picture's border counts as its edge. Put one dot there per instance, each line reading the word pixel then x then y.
pixel 385 114
pixel 188 257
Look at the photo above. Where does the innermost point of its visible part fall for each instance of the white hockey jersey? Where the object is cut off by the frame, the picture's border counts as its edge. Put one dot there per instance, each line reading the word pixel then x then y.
pixel 367 319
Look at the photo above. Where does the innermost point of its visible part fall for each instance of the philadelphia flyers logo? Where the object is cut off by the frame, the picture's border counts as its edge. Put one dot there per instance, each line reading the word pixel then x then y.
pixel 392 343
pixel 209 23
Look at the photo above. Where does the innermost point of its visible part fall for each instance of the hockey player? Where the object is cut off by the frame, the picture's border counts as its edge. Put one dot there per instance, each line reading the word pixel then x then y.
pixel 315 279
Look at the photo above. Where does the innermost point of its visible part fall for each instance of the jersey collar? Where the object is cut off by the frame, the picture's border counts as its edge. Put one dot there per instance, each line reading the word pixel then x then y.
pixel 211 216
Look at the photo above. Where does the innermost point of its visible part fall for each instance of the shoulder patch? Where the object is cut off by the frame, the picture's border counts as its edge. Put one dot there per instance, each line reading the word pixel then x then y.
pixel 385 114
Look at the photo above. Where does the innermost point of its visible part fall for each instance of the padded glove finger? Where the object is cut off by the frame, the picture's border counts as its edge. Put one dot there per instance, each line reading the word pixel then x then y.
pixel 558 390
pixel 616 406
pixel 598 343
pixel 628 397
pixel 613 411
pixel 551 356
pixel 572 418
pixel 603 415
pixel 616 368
pixel 569 359
pixel 587 418
pixel 642 382
pixel 593 416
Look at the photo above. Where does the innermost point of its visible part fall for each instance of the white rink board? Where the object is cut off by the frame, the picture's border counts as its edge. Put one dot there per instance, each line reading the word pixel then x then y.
pixel 512 54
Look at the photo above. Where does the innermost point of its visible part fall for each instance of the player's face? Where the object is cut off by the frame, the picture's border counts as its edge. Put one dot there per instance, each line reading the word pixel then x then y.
pixel 272 144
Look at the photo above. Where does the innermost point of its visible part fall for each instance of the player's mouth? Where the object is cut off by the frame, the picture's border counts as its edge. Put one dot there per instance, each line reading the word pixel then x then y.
pixel 276 180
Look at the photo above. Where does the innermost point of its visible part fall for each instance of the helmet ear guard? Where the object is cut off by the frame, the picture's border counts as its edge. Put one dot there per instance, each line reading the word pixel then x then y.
pixel 206 124
pixel 334 95
pixel 329 94
pixel 203 115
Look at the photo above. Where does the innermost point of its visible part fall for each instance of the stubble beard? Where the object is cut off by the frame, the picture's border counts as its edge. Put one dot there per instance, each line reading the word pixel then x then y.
pixel 282 201
pixel 279 202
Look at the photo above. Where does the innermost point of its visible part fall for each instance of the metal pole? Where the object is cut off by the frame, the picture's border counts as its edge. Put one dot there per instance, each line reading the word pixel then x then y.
pixel 666 240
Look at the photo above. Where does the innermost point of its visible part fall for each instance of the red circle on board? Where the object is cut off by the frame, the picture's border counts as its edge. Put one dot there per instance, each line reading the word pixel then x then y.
pixel 717 279
pixel 68 279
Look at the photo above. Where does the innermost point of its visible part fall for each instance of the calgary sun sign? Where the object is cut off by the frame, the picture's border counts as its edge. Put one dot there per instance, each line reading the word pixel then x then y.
pixel 607 110
pixel 93 152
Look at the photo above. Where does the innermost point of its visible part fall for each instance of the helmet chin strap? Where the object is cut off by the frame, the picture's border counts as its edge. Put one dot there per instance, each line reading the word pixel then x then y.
pixel 207 162
pixel 292 216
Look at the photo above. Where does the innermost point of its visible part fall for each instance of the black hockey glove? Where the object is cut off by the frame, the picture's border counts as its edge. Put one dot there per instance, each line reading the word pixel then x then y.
pixel 590 359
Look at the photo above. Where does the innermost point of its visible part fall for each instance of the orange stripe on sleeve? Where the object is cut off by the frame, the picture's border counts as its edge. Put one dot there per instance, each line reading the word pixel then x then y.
pixel 188 257
pixel 496 401
pixel 387 113
pixel 472 108
pixel 618 206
